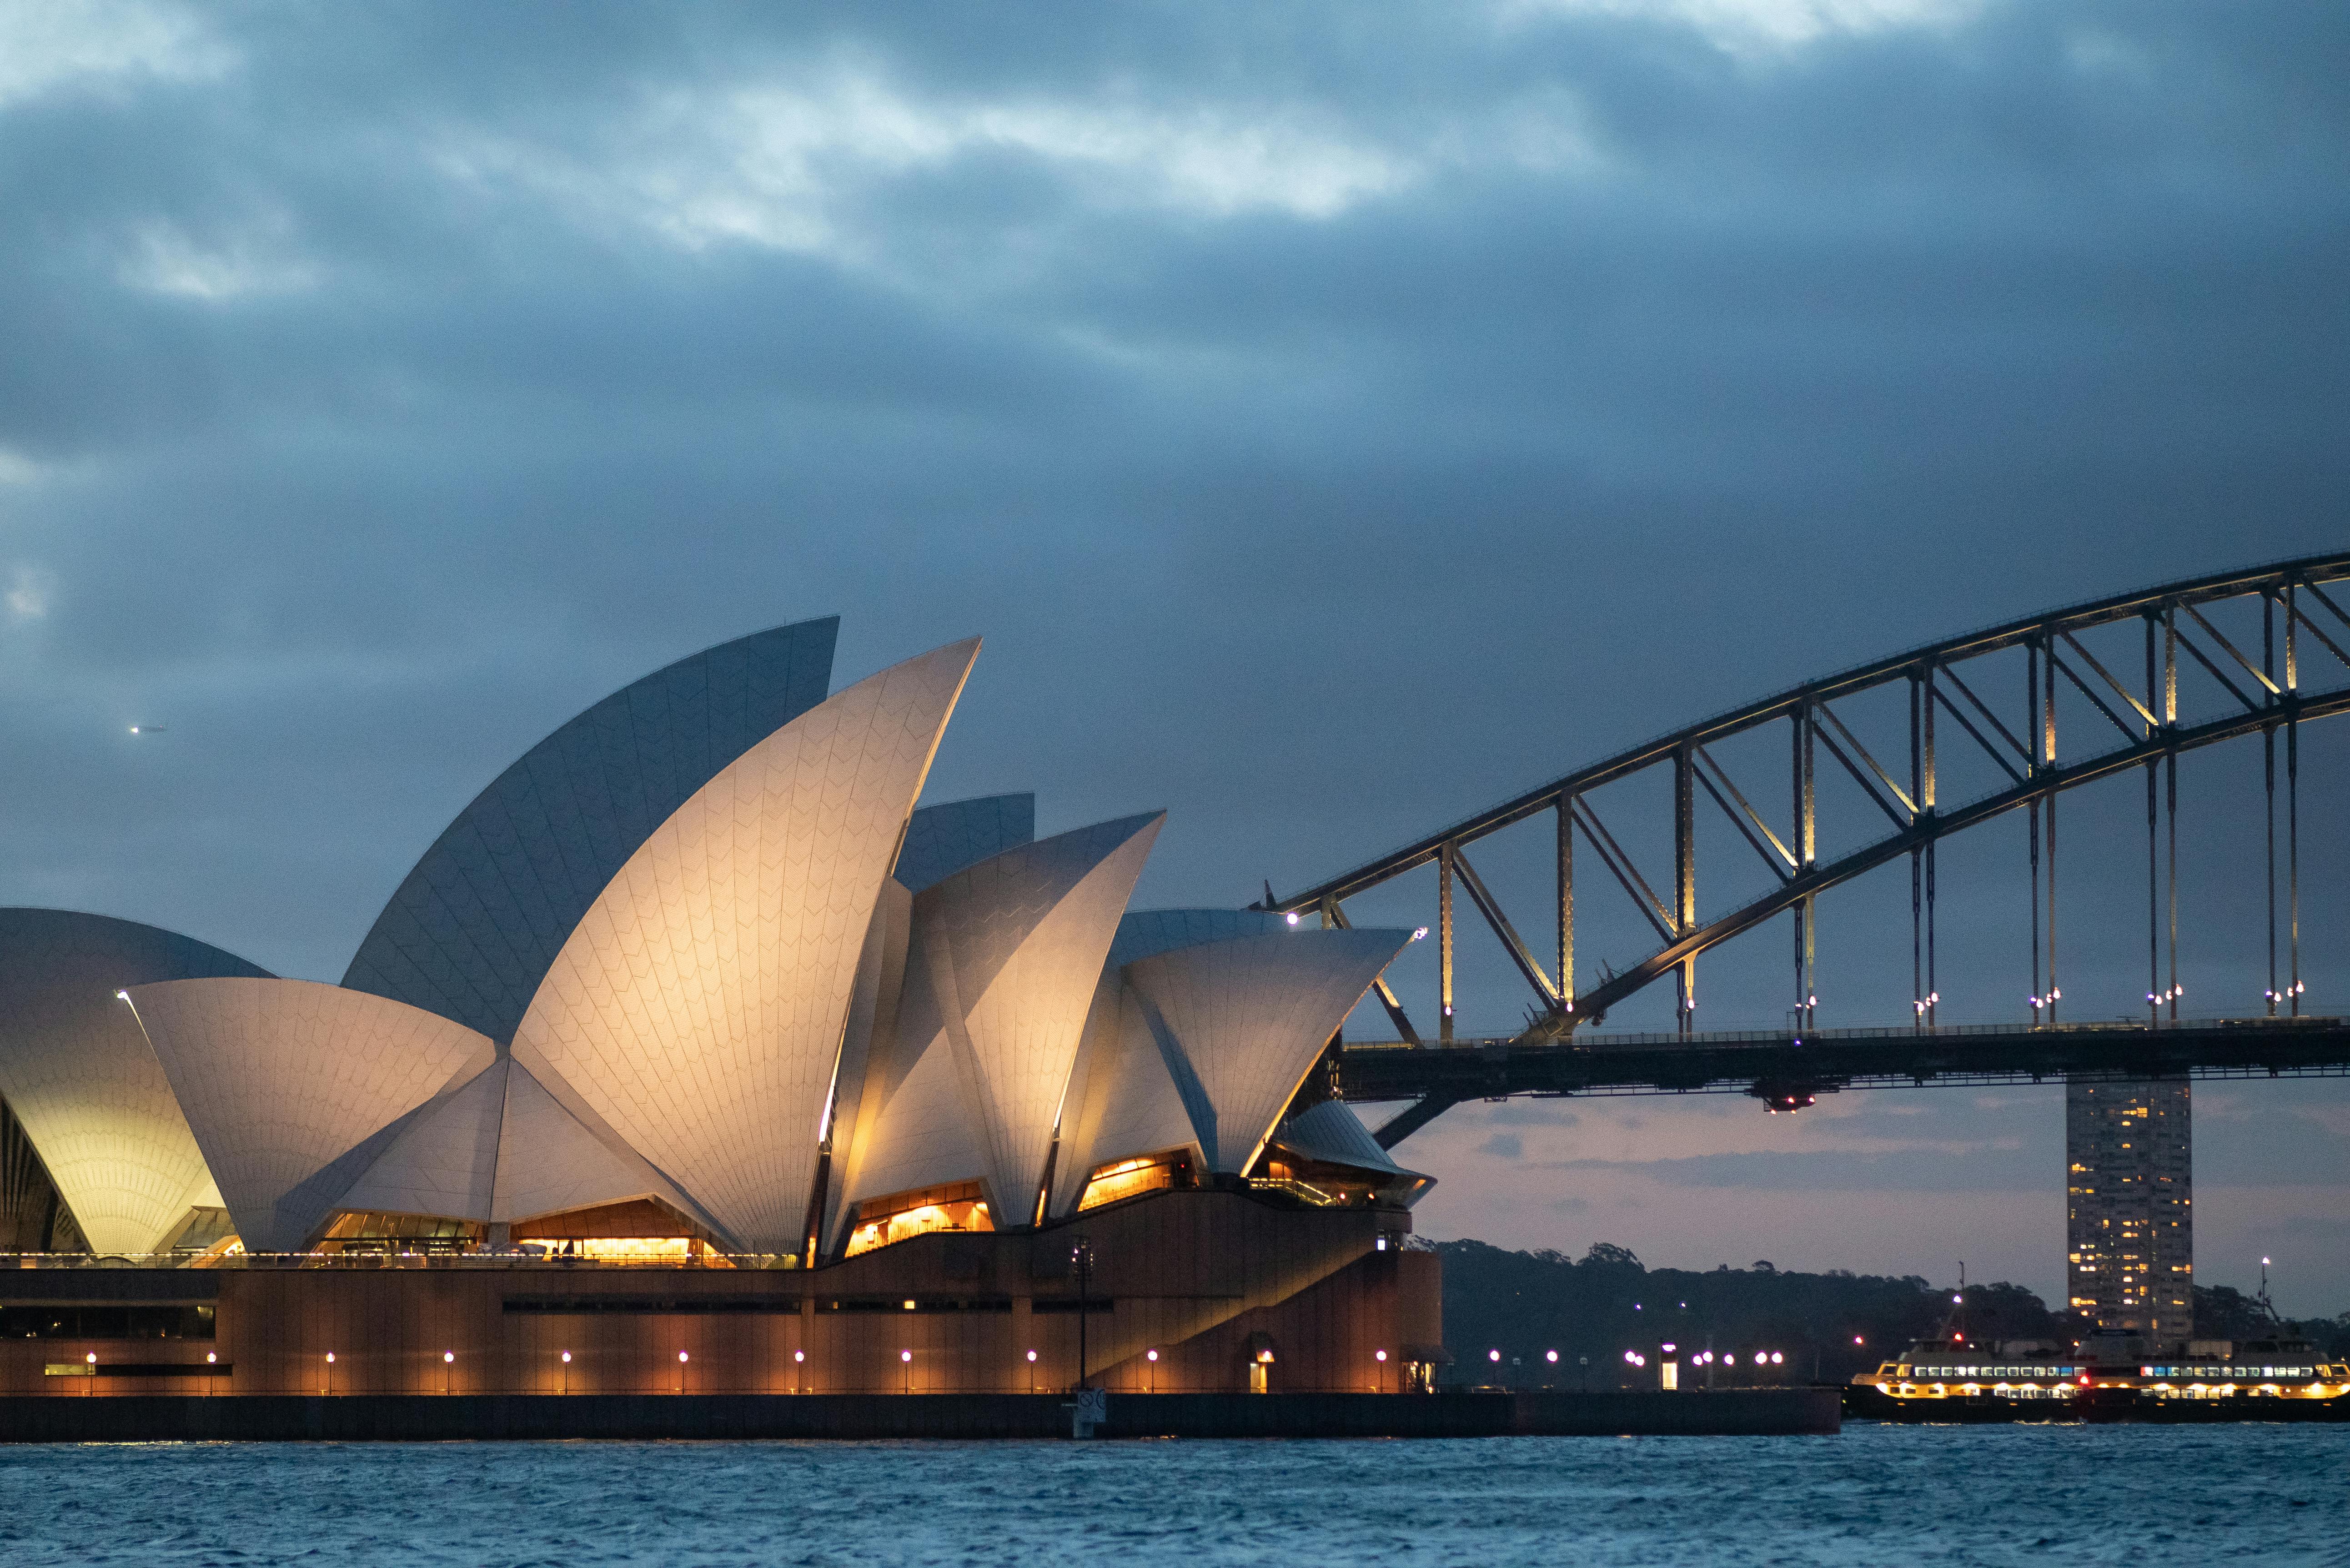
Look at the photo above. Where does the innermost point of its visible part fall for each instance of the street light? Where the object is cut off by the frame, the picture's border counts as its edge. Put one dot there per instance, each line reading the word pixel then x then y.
pixel 566 1372
pixel 906 1364
pixel 681 1371
pixel 448 1358
pixel 1152 1356
pixel 1032 1372
pixel 799 1366
pixel 331 1372
pixel 1082 1256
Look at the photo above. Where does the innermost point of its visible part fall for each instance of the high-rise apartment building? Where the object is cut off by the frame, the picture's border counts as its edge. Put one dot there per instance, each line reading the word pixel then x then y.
pixel 2129 1225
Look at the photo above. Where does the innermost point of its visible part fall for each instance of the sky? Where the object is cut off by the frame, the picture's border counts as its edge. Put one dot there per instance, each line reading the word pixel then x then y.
pixel 1335 417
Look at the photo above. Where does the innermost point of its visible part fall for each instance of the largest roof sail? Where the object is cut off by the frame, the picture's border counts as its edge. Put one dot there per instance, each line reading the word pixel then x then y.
pixel 699 1005
pixel 470 933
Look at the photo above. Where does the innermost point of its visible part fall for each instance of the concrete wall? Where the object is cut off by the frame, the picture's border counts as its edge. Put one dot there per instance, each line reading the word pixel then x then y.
pixel 1192 1273
pixel 374 1417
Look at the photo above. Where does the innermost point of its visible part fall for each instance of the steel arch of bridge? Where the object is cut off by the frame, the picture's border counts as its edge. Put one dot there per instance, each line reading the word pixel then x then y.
pixel 2302 624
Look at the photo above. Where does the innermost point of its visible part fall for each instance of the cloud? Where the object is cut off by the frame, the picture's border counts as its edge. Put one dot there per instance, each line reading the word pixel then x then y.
pixel 29 591
pixel 110 47
pixel 1744 24
pixel 1336 416
pixel 166 261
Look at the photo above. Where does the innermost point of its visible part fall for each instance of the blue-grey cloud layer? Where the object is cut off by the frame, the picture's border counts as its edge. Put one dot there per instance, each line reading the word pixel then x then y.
pixel 1334 415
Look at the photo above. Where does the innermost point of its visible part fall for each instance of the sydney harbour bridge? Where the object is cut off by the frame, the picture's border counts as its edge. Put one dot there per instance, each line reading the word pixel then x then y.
pixel 2244 659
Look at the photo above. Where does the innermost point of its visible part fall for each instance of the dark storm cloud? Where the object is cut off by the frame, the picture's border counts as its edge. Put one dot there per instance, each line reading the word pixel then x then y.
pixel 1335 416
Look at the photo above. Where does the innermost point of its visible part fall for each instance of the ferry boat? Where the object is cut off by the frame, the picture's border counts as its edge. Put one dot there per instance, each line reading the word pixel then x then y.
pixel 1950 1368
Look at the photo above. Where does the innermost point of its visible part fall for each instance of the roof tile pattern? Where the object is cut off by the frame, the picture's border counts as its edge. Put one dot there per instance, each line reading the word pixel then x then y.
pixel 551 1161
pixel 82 1079
pixel 941 840
pixel 1149 931
pixel 1245 1019
pixel 293 1088
pixel 1122 1102
pixel 471 931
pixel 698 1006
pixel 1000 970
pixel 1332 1133
pixel 444 1161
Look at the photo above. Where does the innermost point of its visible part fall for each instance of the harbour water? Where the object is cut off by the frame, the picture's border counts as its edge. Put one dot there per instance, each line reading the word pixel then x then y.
pixel 1875 1495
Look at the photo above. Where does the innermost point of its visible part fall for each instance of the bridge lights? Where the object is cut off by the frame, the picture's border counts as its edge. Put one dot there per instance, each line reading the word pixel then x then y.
pixel 1293 917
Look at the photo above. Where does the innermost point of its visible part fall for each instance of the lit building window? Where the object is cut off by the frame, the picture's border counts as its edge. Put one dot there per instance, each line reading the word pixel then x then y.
pixel 882 1221
pixel 1131 1177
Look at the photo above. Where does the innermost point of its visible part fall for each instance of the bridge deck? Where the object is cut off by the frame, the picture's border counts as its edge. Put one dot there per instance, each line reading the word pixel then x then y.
pixel 1775 1064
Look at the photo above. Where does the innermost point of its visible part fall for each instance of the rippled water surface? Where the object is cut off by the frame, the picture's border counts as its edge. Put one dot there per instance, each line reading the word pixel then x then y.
pixel 2269 1495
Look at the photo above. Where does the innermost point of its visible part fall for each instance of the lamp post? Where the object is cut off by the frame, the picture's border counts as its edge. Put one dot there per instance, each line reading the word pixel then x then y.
pixel 906 1366
pixel 1153 1357
pixel 1032 1372
pixel 1082 1256
pixel 799 1371
pixel 1380 1356
pixel 681 1371
pixel 331 1372
pixel 448 1359
pixel 90 1387
pixel 566 1372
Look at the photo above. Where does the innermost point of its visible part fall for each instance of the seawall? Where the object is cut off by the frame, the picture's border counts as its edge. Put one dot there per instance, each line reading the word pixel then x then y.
pixel 402 1417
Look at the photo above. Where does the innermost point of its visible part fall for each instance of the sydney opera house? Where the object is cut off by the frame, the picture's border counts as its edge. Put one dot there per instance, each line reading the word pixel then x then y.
pixel 697 1054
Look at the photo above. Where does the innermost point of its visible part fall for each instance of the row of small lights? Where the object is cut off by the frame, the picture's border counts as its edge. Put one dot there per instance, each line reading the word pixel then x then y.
pixel 1934 999
pixel 798 1356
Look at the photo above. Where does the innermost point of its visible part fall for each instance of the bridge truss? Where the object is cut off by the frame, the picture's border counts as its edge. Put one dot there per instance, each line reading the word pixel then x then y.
pixel 2299 671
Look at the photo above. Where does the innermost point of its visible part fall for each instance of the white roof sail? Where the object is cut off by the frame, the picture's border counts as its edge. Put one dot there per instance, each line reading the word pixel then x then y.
pixel 555 1156
pixel 698 1008
pixel 1331 1133
pixel 1124 1099
pixel 444 1160
pixel 1000 973
pixel 470 930
pixel 82 1079
pixel 1121 1100
pixel 943 840
pixel 293 1088
pixel 870 1070
pixel 1246 1018
pixel 923 1132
